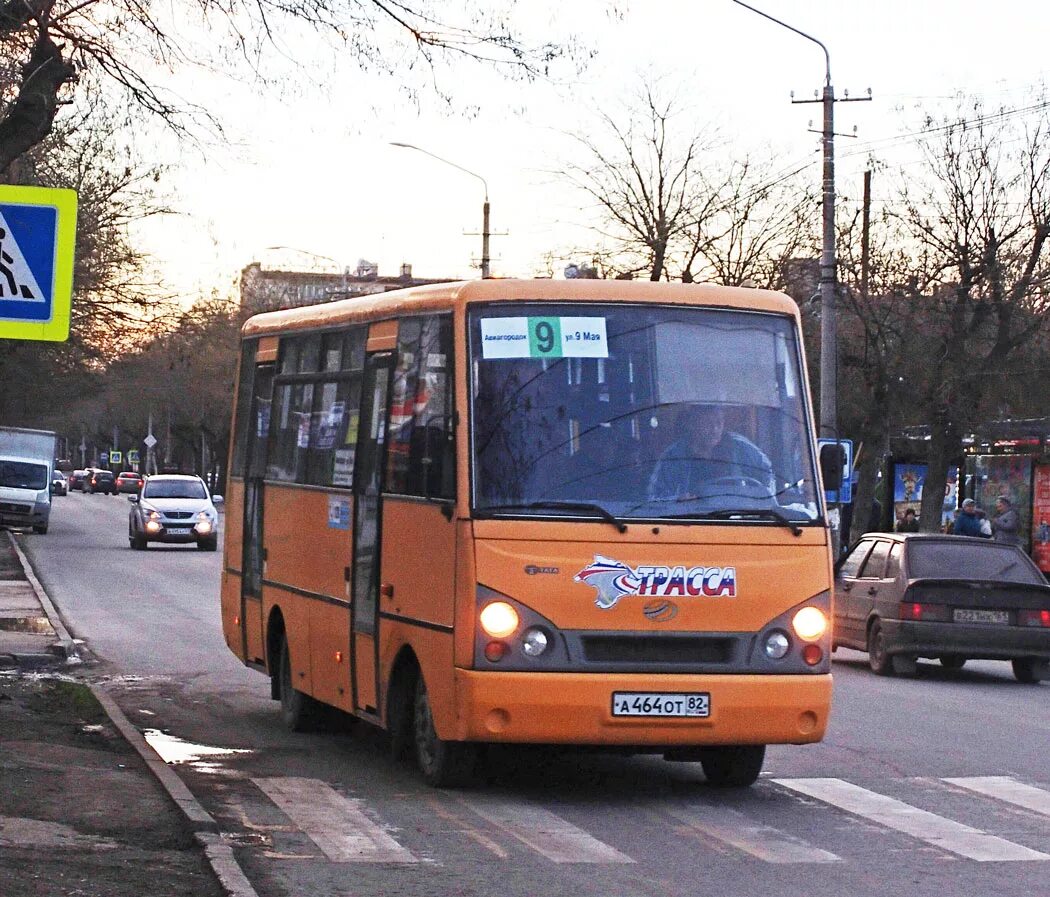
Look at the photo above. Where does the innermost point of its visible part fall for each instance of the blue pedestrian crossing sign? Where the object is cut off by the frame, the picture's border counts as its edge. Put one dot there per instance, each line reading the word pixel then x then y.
pixel 38 227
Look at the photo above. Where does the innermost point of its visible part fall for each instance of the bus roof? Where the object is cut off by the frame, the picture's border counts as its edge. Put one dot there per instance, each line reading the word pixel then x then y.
pixel 447 296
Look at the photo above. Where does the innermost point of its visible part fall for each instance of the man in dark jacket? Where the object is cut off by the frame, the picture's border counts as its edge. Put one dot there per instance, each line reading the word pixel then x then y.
pixel 968 521
pixel 1006 523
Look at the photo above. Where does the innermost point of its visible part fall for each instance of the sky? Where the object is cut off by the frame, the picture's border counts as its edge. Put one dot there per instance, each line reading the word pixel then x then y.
pixel 310 166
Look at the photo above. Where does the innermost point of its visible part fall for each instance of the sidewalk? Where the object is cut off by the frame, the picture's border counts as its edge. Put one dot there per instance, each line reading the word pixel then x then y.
pixel 86 807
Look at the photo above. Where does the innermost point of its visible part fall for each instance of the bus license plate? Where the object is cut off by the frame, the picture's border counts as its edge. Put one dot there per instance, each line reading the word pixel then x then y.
pixel 179 530
pixel 964 615
pixel 658 703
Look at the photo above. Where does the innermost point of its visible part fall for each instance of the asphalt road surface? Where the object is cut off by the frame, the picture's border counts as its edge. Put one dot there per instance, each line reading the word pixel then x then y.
pixel 938 785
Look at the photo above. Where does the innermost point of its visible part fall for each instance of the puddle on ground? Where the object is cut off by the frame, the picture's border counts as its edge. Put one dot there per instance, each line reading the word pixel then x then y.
pixel 175 751
pixel 39 625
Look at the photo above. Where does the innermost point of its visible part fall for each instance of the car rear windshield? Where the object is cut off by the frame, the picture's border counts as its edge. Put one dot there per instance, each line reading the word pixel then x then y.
pixel 970 560
pixel 174 489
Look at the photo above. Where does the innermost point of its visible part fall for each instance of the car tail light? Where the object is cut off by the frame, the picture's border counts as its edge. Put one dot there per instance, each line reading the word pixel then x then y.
pixel 1034 618
pixel 913 610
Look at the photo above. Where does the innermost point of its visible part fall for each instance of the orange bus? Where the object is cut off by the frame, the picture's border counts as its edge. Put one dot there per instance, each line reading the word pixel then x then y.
pixel 533 511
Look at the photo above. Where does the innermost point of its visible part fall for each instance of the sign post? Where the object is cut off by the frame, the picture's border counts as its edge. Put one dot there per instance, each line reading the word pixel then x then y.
pixel 38 229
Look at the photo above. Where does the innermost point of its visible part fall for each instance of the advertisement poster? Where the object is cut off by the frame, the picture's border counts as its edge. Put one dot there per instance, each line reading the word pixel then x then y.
pixel 1009 475
pixel 908 480
pixel 1041 516
pixel 907 489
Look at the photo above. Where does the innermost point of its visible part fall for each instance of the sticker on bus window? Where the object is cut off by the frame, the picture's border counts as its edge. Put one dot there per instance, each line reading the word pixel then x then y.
pixel 338 512
pixel 553 337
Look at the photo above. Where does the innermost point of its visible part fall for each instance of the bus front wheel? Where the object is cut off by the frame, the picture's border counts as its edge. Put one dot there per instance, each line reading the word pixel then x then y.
pixel 444 764
pixel 734 766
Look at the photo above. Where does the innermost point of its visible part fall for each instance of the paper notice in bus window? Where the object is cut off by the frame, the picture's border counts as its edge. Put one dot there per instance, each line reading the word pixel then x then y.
pixel 554 337
pixel 343 468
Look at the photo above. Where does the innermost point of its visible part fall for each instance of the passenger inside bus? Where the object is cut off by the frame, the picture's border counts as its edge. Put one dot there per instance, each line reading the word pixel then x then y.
pixel 708 459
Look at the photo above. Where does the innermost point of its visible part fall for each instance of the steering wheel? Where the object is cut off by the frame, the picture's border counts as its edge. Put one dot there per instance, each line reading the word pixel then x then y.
pixel 751 484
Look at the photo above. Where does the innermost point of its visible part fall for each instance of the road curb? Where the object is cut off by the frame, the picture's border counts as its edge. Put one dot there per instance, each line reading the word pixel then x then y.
pixel 205 829
pixel 66 646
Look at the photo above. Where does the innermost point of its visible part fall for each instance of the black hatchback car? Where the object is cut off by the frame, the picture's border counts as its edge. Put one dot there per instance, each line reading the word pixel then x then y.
pixel 953 598
pixel 101 481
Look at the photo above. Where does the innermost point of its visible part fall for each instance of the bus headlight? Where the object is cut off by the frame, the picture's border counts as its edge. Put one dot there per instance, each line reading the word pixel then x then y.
pixel 534 642
pixel 499 619
pixel 809 623
pixel 776 645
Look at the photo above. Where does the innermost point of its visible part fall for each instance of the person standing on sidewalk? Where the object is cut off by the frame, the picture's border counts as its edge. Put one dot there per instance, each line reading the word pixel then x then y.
pixel 968 522
pixel 1006 523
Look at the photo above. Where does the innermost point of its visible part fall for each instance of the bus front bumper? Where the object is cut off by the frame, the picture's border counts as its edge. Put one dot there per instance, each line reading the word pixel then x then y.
pixel 568 708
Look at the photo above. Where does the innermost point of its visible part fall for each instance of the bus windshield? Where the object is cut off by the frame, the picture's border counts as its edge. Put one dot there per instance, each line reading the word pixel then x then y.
pixel 628 411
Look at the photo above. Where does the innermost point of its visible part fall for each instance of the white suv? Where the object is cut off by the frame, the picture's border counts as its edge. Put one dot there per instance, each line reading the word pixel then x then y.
pixel 174 508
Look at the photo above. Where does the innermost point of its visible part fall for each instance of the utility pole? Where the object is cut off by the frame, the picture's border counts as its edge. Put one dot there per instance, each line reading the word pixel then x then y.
pixel 865 231
pixel 829 349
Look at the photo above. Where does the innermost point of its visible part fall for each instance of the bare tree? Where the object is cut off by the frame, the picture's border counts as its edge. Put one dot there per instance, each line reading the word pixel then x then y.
pixel 46 44
pixel 978 217
pixel 756 220
pixel 645 177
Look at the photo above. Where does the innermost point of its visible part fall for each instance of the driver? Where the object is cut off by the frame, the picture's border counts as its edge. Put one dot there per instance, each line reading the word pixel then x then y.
pixel 704 452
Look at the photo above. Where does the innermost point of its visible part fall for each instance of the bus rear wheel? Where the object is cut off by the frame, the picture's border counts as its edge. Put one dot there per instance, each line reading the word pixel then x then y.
pixel 733 766
pixel 444 764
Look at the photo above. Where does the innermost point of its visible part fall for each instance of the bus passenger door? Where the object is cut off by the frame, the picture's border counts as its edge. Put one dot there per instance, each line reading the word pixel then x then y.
pixel 368 484
pixel 254 554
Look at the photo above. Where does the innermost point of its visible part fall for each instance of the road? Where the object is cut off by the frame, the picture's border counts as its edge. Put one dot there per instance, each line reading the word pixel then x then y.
pixel 937 785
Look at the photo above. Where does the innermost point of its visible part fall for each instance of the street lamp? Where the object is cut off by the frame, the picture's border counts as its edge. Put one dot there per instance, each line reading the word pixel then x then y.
pixel 317 255
pixel 828 279
pixel 485 212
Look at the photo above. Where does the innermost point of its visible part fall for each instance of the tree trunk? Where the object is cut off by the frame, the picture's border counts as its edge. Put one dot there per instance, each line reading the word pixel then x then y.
pixel 31 115
pixel 945 448
pixel 875 446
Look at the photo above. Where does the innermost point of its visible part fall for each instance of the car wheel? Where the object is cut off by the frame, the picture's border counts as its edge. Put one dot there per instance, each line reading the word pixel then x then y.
pixel 444 764
pixel 735 766
pixel 952 661
pixel 1031 671
pixel 40 530
pixel 138 542
pixel 208 543
pixel 878 659
pixel 299 712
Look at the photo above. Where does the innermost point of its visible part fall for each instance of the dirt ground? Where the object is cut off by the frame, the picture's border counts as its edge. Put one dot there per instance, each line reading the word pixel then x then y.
pixel 80 815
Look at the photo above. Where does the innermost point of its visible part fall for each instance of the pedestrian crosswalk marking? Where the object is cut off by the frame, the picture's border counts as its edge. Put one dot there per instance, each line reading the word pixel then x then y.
pixel 1008 790
pixel 760 840
pixel 558 840
pixel 929 827
pixel 336 824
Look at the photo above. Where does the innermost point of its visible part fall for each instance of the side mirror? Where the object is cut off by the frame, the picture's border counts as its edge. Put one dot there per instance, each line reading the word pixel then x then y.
pixel 134 499
pixel 217 500
pixel 832 465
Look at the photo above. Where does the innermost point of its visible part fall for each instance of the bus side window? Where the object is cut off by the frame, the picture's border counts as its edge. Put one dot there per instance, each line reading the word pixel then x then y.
pixel 421 451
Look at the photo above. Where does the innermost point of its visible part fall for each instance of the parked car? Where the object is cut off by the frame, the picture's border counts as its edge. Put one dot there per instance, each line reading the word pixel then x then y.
pixel 59 483
pixel 78 480
pixel 129 481
pixel 174 508
pixel 102 481
pixel 901 597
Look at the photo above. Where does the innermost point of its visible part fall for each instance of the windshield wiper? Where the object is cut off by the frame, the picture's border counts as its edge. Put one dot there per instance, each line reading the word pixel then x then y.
pixel 604 513
pixel 758 513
